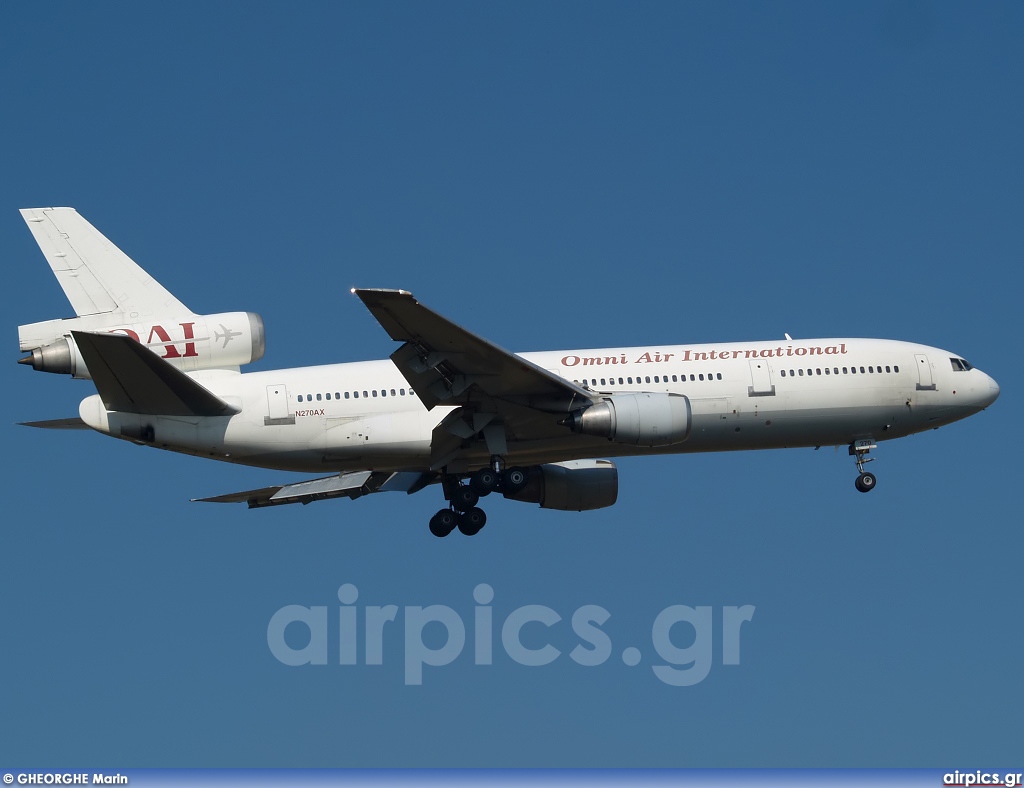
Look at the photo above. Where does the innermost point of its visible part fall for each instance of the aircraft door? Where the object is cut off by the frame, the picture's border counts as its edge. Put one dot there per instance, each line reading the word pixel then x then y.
pixel 277 406
pixel 761 379
pixel 924 373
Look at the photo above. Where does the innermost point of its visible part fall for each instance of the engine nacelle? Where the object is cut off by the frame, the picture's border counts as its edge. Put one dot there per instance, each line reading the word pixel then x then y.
pixel 574 486
pixel 190 343
pixel 642 419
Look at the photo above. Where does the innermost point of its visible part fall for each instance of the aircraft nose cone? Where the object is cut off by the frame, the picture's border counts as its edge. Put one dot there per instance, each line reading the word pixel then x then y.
pixel 993 392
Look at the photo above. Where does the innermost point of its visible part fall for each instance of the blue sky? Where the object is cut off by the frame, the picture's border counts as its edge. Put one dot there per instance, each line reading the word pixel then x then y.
pixel 551 176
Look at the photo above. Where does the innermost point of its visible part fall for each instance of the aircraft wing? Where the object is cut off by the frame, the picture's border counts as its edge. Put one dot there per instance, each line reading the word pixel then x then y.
pixel 500 396
pixel 73 423
pixel 353 484
pixel 443 361
pixel 96 276
pixel 133 379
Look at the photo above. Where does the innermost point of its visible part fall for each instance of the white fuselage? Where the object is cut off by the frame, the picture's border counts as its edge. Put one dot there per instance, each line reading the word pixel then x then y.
pixel 755 395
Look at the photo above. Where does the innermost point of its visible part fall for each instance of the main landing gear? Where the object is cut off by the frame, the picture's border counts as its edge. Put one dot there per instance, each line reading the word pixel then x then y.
pixel 463 496
pixel 859 449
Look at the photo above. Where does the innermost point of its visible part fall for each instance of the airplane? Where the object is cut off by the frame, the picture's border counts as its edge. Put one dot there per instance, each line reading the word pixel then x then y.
pixel 451 408
pixel 226 334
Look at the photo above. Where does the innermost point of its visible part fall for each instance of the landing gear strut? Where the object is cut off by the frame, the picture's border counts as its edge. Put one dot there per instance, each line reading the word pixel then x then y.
pixel 859 449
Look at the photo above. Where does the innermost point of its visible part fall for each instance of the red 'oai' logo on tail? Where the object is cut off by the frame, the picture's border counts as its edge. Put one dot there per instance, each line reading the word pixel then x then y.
pixel 170 351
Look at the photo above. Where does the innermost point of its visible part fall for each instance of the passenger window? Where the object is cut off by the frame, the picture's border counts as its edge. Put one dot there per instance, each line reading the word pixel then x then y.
pixel 375 392
pixel 648 379
pixel 392 392
pixel 328 395
pixel 346 395
pixel 692 377
pixel 887 369
pixel 801 372
pixel 300 398
pixel 674 379
pixel 602 382
pixel 845 372
pixel 655 378
pixel 701 376
pixel 630 381
pixel 719 375
pixel 355 394
pixel 862 370
pixel 319 397
pixel 835 370
pixel 828 371
pixel 783 373
pixel 383 392
pixel 402 392
pixel 896 369
pixel 817 372
pixel 366 394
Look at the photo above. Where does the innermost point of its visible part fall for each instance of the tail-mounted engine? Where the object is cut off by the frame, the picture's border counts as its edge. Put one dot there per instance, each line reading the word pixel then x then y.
pixel 189 343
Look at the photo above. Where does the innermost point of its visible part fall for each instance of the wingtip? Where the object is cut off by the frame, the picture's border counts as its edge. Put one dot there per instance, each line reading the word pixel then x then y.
pixel 379 292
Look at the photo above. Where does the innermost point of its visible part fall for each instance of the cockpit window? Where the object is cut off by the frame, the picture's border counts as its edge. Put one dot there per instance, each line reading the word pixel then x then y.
pixel 960 365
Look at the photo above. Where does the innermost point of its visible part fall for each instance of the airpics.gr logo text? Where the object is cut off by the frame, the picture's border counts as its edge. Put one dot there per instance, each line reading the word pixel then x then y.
pixel 354 633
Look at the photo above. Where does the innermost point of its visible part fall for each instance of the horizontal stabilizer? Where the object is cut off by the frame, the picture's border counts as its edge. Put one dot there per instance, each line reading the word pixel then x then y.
pixel 133 379
pixel 73 423
pixel 346 485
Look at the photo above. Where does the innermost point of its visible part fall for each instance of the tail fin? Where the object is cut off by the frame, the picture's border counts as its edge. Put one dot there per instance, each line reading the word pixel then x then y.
pixel 96 276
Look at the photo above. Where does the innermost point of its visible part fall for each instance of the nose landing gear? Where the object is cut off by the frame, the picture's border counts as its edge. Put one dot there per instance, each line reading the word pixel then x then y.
pixel 859 449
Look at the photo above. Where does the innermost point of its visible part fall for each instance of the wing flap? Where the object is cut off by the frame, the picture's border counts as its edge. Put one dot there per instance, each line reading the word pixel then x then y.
pixel 132 379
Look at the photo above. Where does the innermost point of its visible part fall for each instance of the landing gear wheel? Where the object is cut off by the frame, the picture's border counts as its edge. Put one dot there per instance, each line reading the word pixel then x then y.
pixel 443 523
pixel 866 482
pixel 485 481
pixel 471 521
pixel 464 497
pixel 513 480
